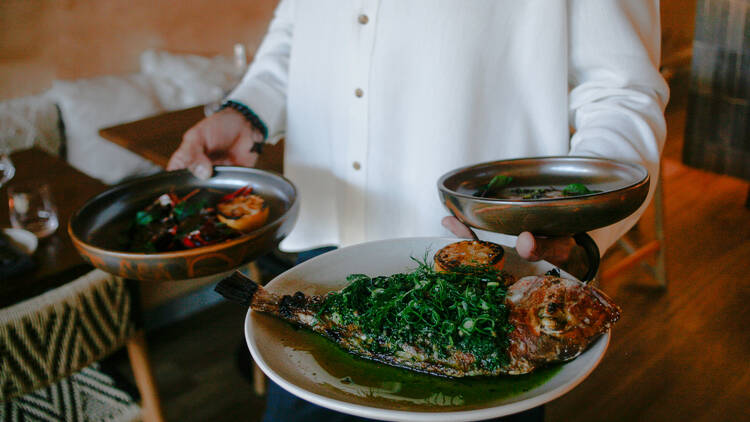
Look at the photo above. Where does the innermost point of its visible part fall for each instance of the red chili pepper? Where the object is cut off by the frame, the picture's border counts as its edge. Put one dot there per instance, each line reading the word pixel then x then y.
pixel 187 242
pixel 239 192
pixel 173 198
pixel 188 196
pixel 172 230
pixel 230 196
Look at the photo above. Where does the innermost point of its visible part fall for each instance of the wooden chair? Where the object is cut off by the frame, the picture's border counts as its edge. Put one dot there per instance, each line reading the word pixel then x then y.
pixel 52 343
pixel 638 254
pixel 671 65
pixel 259 378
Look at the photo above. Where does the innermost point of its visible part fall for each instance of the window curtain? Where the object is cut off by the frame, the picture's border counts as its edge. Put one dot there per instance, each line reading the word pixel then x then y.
pixel 717 132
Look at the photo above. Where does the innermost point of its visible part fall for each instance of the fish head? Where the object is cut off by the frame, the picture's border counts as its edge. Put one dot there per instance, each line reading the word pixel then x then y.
pixel 557 318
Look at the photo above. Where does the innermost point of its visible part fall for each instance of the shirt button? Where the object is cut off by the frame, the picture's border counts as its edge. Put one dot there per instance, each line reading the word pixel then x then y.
pixel 359 93
pixel 356 165
pixel 363 19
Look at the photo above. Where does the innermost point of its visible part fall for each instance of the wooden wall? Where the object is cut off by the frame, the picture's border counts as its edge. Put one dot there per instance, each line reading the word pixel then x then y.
pixel 677 28
pixel 43 40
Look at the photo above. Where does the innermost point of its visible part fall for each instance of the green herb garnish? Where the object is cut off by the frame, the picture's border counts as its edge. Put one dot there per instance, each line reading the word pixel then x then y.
pixel 575 189
pixel 498 182
pixel 439 312
pixel 187 209
pixel 142 218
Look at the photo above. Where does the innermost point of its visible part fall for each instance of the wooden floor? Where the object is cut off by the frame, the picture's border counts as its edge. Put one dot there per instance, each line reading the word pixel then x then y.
pixel 196 368
pixel 679 354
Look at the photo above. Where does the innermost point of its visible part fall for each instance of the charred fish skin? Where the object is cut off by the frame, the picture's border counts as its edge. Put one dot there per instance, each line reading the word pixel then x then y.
pixel 302 311
pixel 297 308
pixel 554 320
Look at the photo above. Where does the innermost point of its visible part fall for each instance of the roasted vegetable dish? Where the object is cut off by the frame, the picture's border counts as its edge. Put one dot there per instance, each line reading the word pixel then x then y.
pixel 173 223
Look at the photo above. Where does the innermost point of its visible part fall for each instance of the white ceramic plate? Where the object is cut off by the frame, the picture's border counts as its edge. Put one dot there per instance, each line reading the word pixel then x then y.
pixel 314 369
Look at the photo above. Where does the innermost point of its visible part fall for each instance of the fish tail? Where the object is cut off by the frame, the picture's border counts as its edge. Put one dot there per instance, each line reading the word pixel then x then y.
pixel 295 308
pixel 238 288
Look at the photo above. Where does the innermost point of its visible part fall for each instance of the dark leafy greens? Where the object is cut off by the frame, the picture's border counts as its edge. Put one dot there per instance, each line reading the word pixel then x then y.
pixel 575 189
pixel 440 312
pixel 186 209
pixel 498 182
pixel 496 188
pixel 143 218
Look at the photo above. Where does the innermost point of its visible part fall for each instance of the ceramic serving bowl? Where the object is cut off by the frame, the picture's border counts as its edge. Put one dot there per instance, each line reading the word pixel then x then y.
pixel 97 229
pixel 621 189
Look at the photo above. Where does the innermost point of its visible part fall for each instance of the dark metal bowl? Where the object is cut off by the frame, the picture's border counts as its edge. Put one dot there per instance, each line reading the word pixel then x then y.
pixel 623 188
pixel 98 228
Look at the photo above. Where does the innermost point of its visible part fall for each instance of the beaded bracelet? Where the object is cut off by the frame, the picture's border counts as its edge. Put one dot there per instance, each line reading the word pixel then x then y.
pixel 251 117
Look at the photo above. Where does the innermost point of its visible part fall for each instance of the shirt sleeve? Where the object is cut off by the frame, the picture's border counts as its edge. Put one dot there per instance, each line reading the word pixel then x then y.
pixel 263 88
pixel 617 95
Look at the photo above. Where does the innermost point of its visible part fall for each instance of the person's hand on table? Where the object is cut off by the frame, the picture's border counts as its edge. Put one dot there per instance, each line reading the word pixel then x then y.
pixel 225 137
pixel 559 251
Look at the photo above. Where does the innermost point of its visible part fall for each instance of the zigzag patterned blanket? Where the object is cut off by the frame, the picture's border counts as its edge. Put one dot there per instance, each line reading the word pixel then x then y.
pixel 89 395
pixel 56 334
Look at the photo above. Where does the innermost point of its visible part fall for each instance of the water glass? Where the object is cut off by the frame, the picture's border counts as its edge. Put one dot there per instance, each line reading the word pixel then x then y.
pixel 6 169
pixel 240 66
pixel 32 209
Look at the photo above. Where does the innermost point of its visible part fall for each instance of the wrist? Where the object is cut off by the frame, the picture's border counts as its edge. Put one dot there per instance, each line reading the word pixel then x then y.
pixel 251 117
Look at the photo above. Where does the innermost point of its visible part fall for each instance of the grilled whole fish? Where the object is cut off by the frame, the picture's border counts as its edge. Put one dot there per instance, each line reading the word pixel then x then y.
pixel 551 319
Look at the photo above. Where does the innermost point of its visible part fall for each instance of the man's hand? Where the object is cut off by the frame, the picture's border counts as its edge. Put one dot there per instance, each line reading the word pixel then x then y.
pixel 560 251
pixel 225 137
pixel 555 250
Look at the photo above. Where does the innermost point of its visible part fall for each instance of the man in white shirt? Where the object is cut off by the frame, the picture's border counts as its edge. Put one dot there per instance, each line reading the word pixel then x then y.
pixel 378 98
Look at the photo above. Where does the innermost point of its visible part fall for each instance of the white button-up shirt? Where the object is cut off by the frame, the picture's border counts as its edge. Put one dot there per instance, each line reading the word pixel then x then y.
pixel 378 98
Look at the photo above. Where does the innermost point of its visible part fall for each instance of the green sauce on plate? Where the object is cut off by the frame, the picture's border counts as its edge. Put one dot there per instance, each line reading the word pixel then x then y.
pixel 365 378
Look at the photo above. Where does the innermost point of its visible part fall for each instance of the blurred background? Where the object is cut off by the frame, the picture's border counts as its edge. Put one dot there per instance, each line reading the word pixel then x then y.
pixel 71 67
pixel 69 39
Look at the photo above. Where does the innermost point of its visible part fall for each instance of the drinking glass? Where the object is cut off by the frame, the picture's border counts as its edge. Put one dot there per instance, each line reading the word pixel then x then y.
pixel 240 66
pixel 32 209
pixel 6 169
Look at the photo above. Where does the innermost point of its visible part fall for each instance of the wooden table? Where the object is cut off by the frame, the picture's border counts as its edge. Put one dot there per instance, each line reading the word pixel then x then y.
pixel 156 138
pixel 56 259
